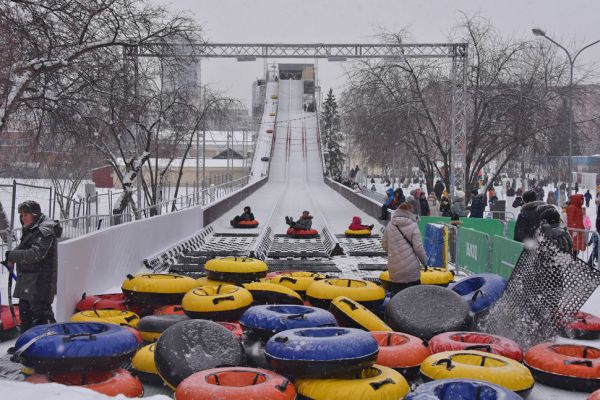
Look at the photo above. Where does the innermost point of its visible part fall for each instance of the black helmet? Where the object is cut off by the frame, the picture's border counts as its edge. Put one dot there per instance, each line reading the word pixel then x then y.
pixel 550 216
pixel 31 207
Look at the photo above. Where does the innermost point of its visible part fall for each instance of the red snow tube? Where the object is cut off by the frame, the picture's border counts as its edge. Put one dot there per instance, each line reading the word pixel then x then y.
pixel 233 327
pixel 235 383
pixel 110 383
pixel 581 325
pixel 169 310
pixel 247 224
pixel 114 301
pixel 8 329
pixel 302 233
pixel 566 366
pixel 454 341
pixel 594 396
pixel 400 351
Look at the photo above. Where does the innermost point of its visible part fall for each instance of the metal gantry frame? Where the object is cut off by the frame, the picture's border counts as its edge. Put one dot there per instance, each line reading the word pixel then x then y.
pixel 456 52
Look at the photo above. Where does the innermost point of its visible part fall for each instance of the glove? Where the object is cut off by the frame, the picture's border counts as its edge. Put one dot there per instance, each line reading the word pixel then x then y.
pixel 9 266
pixel 6 256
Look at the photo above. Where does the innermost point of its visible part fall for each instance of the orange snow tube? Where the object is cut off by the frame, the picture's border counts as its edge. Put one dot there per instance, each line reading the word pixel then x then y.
pixel 235 383
pixel 110 383
pixel 246 224
pixel 302 233
pixel 401 351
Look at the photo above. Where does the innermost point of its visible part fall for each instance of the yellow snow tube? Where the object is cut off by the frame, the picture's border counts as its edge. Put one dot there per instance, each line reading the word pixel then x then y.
pixel 235 269
pixel 117 317
pixel 376 382
pixel 204 281
pixel 219 303
pixel 271 293
pixel 274 96
pixel 144 367
pixel 354 315
pixel 157 288
pixel 471 364
pixel 431 276
pixel 321 293
pixel 298 281
pixel 359 233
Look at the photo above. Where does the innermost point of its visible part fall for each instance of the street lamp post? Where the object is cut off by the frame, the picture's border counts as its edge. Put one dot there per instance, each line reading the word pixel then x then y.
pixel 572 59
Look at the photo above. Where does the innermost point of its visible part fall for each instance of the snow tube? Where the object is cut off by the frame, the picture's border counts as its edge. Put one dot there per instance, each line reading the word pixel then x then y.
pixel 481 291
pixel 113 301
pixel 594 396
pixel 566 366
pixel 8 329
pixel 429 276
pixel 265 321
pixel 117 317
pixel 400 351
pixel 357 233
pixel 204 281
pixel 427 310
pixel 233 327
pixel 351 314
pixel 467 389
pixel 246 224
pixel 157 288
pixel 380 310
pixel 144 367
pixel 321 352
pixel 302 233
pixel 74 346
pixel 471 364
pixel 376 382
pixel 272 293
pixel 298 281
pixel 581 325
pixel 235 269
pixel 219 303
pixel 235 383
pixel 110 383
pixel 169 310
pixel 321 293
pixel 205 345
pixel 452 341
pixel 152 326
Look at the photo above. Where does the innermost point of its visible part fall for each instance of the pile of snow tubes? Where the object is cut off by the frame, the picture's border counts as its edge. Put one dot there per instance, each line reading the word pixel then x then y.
pixel 357 233
pixel 351 314
pixel 471 364
pixel 205 345
pixel 322 292
pixel 152 326
pixel 144 367
pixel 566 366
pixel 321 352
pixel 267 320
pixel 235 383
pixel 272 293
pixel 74 346
pixel 117 317
pixel 8 325
pixel 246 224
pixel 302 233
pixel 452 341
pixel 427 310
pixel 480 291
pixel 221 303
pixel 110 383
pixel 298 281
pixel 467 389
pixel 581 325
pixel 401 351
pixel 112 301
pixel 157 288
pixel 237 270
pixel 373 383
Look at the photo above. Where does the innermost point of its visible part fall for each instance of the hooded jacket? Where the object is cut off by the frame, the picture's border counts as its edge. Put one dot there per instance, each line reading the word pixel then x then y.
pixel 527 221
pixel 404 260
pixel 438 189
pixel 434 210
pixel 356 224
pixel 477 206
pixel 575 220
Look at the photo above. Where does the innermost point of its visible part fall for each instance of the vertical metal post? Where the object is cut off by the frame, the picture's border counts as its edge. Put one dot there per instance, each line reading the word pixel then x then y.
pixel 50 204
pixel 458 167
pixel 13 206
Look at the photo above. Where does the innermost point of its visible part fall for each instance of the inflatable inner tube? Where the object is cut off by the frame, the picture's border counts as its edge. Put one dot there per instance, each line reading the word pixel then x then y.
pixel 152 326
pixel 595 395
pixel 566 366
pixel 73 346
pixel 427 310
pixel 246 224
pixel 375 382
pixel 272 293
pixel 302 233
pixel 461 389
pixel 452 341
pixel 113 301
pixel 321 293
pixel 401 351
pixel 169 310
pixel 117 317
pixel 109 383
pixel 219 303
pixel 144 367
pixel 351 314
pixel 235 269
pixel 236 383
pixel 206 345
pixel 298 281
pixel 360 233
pixel 581 325
pixel 481 291
pixel 429 276
pixel 8 329
pixel 157 288
pixel 321 352
pixel 233 327
pixel 471 364
pixel 265 321
pixel 204 281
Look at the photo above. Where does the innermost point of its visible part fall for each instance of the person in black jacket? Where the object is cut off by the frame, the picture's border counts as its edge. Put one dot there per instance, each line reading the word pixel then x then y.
pixel 587 196
pixel 246 216
pixel 528 220
pixel 477 204
pixel 438 189
pixel 35 257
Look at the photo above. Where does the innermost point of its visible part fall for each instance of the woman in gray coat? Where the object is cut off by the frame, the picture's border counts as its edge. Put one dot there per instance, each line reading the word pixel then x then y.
pixel 402 242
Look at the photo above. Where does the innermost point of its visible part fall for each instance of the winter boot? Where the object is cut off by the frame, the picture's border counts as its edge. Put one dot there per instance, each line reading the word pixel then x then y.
pixel 371 227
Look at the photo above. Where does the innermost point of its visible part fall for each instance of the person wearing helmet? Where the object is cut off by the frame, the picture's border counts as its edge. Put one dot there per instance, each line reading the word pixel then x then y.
pixel 551 229
pixel 35 258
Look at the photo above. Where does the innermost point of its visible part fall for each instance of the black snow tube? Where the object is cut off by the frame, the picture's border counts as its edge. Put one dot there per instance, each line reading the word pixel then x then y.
pixel 152 326
pixel 427 310
pixel 192 346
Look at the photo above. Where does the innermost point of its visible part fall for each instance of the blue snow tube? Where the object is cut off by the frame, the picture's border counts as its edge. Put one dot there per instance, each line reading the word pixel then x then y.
pixel 481 291
pixel 380 309
pixel 461 389
pixel 321 352
pixel 267 320
pixel 75 346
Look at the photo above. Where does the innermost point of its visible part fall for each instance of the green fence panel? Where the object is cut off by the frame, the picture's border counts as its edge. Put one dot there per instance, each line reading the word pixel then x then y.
pixel 473 250
pixel 423 221
pixel 510 229
pixel 505 253
pixel 490 226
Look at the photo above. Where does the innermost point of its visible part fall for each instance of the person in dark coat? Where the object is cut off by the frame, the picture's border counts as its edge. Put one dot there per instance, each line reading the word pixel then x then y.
pixel 477 204
pixel 445 207
pixel 588 197
pixel 528 220
pixel 576 187
pixel 246 216
pixel 551 229
pixel 35 257
pixel 424 205
pixel 438 189
pixel 303 223
pixel 394 199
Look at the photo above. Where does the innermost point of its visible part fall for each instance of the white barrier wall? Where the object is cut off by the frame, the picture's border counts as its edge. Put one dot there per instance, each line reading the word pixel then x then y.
pixel 98 262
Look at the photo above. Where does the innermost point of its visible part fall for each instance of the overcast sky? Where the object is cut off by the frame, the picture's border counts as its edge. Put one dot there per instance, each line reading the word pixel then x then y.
pixel 573 23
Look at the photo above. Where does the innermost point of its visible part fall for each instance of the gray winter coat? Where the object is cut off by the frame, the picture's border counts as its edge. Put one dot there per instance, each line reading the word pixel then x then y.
pixel 404 260
pixel 458 207
pixel 35 257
